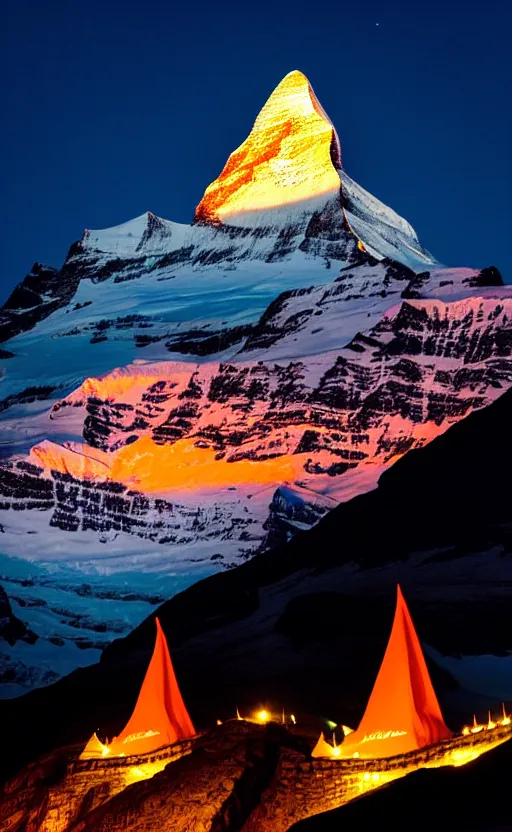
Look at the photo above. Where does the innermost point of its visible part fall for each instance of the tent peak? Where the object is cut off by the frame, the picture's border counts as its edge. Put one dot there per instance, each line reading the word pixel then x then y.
pixel 402 713
pixel 160 717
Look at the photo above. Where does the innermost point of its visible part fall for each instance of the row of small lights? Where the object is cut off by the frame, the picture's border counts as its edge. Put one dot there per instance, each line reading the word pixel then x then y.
pixel 264 716
pixel 476 727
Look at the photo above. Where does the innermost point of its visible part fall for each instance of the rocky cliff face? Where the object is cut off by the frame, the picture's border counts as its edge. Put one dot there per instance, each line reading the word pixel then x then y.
pixel 42 292
pixel 11 628
pixel 179 397
pixel 188 456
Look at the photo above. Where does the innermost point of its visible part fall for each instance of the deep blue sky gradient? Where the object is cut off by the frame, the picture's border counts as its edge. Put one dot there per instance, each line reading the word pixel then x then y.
pixel 114 108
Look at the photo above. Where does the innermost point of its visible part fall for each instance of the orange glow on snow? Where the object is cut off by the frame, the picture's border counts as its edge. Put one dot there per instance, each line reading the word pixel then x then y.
pixel 285 159
pixel 113 385
pixel 154 467
pixel 81 461
pixel 157 468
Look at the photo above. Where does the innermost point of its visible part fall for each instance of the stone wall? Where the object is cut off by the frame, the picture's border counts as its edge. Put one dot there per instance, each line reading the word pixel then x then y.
pixel 239 776
pixel 302 788
pixel 54 794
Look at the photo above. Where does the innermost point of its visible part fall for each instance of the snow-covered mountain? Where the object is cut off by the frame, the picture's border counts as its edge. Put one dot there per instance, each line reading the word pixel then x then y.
pixel 178 397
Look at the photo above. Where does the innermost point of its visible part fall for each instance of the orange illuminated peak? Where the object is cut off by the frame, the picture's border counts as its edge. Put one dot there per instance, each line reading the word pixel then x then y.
pixel 159 718
pixel 287 157
pixel 403 713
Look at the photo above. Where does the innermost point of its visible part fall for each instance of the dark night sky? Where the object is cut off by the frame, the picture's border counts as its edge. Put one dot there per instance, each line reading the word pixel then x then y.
pixel 115 108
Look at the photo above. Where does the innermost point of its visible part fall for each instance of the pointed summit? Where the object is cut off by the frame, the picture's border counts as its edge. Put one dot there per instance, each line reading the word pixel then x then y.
pixel 146 234
pixel 291 155
pixel 287 176
pixel 403 713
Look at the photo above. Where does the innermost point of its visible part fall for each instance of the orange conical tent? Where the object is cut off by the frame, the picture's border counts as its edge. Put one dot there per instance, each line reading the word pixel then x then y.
pixel 403 713
pixel 159 718
pixel 94 748
pixel 323 749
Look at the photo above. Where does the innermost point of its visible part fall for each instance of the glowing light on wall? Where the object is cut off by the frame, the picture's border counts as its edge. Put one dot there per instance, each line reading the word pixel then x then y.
pixel 143 771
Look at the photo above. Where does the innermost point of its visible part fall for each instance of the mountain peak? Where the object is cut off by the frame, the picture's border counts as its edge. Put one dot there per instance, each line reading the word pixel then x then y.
pixel 291 155
pixel 295 74
pixel 288 176
pixel 145 234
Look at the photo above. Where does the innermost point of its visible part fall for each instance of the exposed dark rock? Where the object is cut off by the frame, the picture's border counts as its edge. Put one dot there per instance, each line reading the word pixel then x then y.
pixel 489 276
pixel 205 342
pixel 82 505
pixel 43 291
pixel 11 628
pixel 287 513
pixel 30 394
pixel 279 319
pixel 14 671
